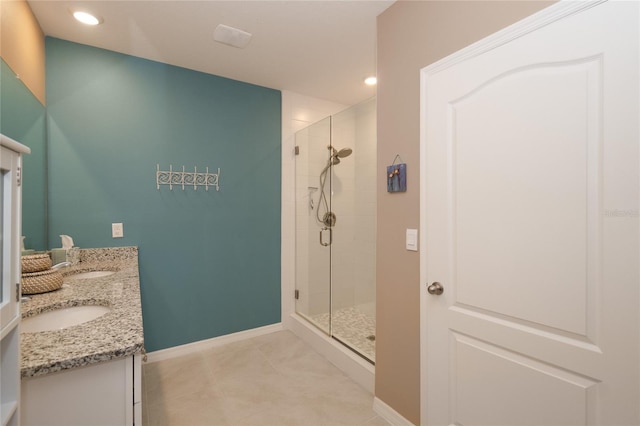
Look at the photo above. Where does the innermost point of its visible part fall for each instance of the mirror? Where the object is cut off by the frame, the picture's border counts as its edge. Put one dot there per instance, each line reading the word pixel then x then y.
pixel 23 118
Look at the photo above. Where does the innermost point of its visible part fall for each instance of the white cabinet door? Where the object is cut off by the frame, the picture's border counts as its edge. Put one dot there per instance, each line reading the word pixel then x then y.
pixel 10 229
pixel 530 220
pixel 10 234
pixel 106 393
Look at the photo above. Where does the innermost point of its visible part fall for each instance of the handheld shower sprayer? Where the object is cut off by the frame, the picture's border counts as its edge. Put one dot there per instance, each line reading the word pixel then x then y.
pixel 328 217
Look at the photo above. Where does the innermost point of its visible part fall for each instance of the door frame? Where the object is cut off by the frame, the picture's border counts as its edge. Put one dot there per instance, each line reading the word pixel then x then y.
pixel 553 13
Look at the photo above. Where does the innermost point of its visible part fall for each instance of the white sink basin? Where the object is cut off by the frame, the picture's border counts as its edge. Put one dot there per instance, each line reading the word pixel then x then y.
pixel 62 318
pixel 91 274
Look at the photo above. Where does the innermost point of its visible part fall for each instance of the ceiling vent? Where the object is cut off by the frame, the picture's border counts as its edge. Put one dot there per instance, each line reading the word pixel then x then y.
pixel 231 36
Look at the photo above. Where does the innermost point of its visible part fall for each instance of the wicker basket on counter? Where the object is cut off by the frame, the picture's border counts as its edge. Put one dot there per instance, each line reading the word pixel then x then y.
pixel 35 263
pixel 41 282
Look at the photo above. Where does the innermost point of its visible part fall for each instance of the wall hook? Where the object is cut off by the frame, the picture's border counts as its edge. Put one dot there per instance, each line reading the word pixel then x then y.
pixel 184 178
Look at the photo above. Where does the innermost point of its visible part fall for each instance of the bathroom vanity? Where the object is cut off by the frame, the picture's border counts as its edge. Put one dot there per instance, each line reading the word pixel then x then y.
pixel 89 372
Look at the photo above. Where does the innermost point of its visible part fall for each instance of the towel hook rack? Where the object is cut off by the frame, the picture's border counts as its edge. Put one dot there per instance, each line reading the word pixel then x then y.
pixel 187 179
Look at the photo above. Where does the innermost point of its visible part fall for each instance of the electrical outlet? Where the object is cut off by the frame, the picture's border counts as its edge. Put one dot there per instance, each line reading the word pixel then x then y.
pixel 117 231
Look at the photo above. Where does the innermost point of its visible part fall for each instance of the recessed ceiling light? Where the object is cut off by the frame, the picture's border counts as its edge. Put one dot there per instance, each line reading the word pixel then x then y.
pixel 370 81
pixel 231 36
pixel 86 18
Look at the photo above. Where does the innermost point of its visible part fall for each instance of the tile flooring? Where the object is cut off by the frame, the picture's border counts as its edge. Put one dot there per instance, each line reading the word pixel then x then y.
pixel 270 380
pixel 353 327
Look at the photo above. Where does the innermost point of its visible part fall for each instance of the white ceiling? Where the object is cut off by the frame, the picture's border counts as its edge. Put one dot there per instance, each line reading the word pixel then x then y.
pixel 323 48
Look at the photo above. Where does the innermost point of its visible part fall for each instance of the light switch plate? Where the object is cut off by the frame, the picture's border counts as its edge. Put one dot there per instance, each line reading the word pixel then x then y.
pixel 117 230
pixel 412 239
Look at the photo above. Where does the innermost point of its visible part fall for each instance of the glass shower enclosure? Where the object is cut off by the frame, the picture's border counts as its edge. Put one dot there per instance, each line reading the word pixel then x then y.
pixel 336 226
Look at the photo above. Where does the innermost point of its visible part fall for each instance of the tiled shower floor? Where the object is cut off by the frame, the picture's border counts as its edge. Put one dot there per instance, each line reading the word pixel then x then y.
pixel 354 328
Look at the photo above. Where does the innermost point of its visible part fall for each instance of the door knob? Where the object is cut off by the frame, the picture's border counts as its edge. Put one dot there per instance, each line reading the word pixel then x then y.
pixel 435 288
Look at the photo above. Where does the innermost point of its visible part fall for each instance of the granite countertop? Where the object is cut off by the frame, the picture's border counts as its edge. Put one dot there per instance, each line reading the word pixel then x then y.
pixel 117 334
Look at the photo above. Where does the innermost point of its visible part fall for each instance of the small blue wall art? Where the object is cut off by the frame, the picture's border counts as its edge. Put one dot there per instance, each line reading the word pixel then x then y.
pixel 397 176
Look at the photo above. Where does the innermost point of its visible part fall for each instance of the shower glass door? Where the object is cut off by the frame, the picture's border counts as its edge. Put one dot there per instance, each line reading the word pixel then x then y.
pixel 336 226
pixel 313 249
pixel 353 251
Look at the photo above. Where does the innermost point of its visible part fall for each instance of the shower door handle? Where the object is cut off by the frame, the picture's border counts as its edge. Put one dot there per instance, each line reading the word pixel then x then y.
pixel 330 236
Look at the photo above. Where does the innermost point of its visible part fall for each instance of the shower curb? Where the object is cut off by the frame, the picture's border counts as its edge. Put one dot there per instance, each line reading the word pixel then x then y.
pixel 354 366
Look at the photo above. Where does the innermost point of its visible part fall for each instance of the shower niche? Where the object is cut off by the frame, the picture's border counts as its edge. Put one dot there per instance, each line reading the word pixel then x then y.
pixel 336 226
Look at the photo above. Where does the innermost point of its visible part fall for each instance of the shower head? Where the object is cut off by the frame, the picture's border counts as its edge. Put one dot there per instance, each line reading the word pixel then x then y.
pixel 336 156
pixel 344 152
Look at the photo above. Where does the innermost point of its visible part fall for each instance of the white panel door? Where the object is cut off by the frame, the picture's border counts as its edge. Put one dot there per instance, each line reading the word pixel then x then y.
pixel 530 218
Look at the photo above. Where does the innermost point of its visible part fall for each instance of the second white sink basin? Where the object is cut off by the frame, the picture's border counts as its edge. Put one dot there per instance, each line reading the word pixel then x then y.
pixel 62 318
pixel 91 274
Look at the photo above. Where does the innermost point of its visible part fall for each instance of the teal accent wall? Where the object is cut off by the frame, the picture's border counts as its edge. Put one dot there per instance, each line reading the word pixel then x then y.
pixel 22 118
pixel 209 261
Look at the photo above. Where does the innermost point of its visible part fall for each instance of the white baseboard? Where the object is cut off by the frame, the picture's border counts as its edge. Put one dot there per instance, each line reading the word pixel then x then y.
pixel 176 351
pixel 389 414
pixel 354 366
